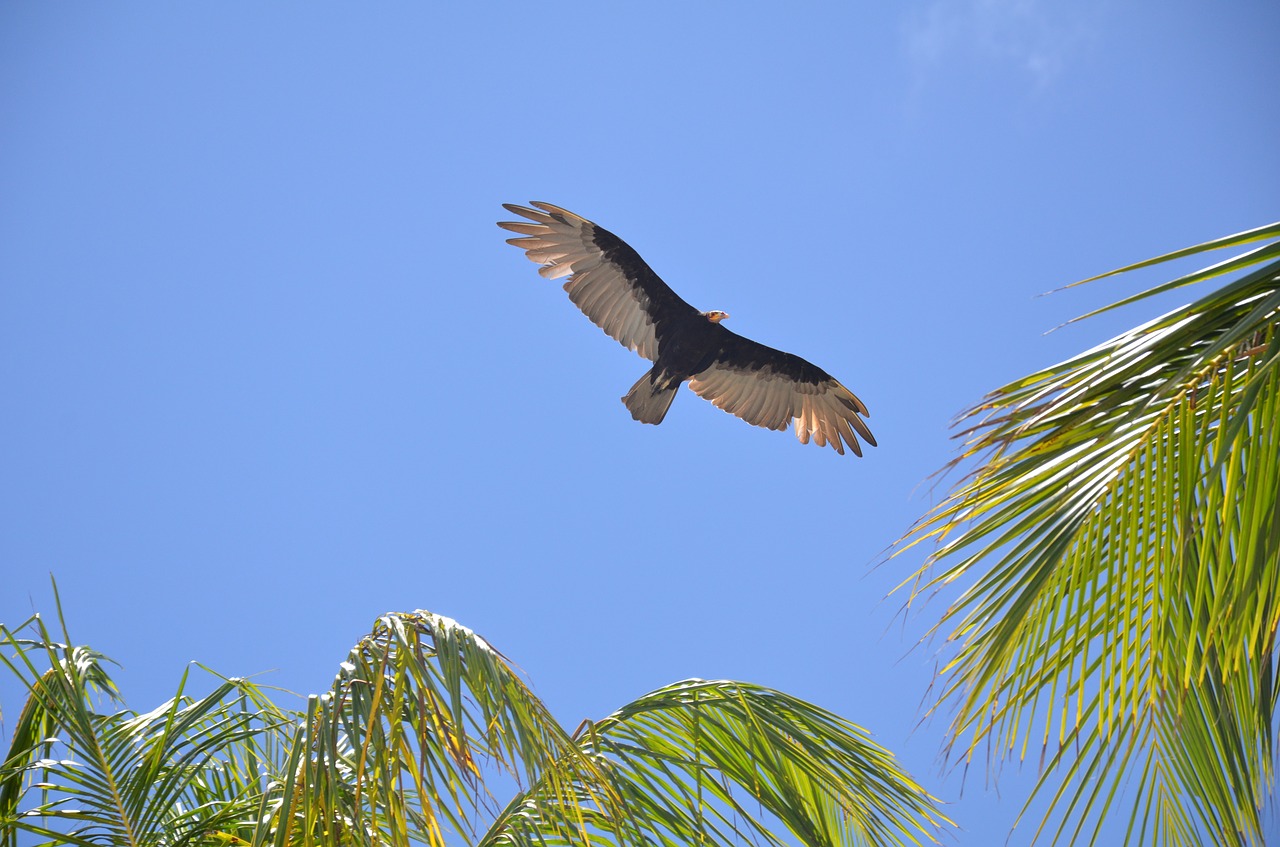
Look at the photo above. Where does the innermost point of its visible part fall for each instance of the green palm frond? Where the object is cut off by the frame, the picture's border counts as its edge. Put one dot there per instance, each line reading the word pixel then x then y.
pixel 75 775
pixel 722 763
pixel 432 704
pixel 1124 509
pixel 420 709
pixel 405 748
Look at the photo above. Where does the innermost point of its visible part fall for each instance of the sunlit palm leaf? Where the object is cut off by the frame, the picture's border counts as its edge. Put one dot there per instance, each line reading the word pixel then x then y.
pixel 421 714
pixel 117 778
pixel 1124 507
pixel 722 763
pixel 421 707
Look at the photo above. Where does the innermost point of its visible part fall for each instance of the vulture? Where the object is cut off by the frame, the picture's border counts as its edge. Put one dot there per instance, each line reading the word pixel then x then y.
pixel 622 295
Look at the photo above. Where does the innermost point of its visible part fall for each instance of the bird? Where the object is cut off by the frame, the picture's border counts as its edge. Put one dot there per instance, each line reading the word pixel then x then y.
pixel 622 295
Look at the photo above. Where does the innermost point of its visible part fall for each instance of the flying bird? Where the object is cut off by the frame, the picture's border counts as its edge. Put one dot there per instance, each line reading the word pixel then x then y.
pixel 622 295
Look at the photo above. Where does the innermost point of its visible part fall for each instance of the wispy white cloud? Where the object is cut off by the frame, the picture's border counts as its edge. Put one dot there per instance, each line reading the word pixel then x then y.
pixel 1033 37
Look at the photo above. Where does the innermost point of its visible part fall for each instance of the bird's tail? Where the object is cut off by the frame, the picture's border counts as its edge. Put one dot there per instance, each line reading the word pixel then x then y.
pixel 649 399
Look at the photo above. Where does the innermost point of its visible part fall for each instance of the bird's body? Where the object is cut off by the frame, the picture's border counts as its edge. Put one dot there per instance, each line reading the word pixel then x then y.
pixel 621 294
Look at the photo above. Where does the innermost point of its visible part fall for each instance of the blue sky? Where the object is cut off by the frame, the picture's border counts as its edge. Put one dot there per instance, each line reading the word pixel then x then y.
pixel 269 370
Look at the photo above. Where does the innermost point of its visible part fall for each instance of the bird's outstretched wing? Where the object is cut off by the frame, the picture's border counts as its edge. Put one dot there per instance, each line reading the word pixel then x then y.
pixel 770 388
pixel 608 280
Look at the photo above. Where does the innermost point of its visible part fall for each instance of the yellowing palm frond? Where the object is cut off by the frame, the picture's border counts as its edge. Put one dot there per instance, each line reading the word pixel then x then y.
pixel 1124 510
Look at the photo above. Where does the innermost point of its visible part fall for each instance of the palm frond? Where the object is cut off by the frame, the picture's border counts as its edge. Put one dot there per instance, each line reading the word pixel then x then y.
pixel 422 718
pixel 1124 508
pixel 722 763
pixel 397 748
pixel 75 775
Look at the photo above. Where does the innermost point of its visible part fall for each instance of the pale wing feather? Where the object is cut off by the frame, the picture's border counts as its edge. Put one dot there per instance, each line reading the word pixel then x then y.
pixel 563 244
pixel 825 412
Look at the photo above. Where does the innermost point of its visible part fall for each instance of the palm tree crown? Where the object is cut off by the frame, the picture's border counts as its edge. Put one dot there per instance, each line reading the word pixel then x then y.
pixel 423 722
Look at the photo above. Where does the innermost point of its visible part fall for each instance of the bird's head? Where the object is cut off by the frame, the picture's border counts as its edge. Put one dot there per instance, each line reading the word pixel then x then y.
pixel 715 316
